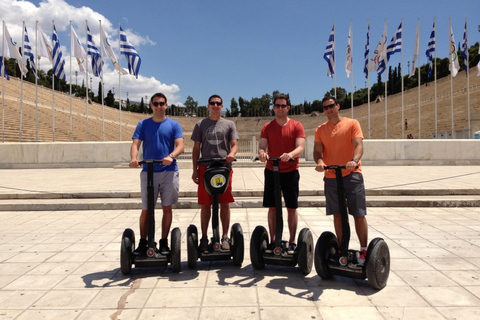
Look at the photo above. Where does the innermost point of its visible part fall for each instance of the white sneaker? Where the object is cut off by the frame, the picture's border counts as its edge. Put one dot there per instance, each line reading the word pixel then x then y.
pixel 225 243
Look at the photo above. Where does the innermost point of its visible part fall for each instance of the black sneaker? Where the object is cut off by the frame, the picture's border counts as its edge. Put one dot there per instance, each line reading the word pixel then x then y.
pixel 204 244
pixel 164 249
pixel 270 247
pixel 291 248
pixel 142 247
pixel 336 256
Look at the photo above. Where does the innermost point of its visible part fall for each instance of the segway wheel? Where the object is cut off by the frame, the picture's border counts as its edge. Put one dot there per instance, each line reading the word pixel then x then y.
pixel 325 245
pixel 258 244
pixel 126 251
pixel 192 246
pixel 236 235
pixel 378 263
pixel 305 251
pixel 176 239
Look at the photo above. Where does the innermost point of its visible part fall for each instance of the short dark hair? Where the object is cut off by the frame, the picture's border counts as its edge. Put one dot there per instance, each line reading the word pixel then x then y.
pixel 215 96
pixel 282 96
pixel 158 95
pixel 330 98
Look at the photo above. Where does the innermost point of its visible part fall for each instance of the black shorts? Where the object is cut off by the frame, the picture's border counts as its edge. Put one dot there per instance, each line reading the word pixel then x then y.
pixel 355 193
pixel 289 185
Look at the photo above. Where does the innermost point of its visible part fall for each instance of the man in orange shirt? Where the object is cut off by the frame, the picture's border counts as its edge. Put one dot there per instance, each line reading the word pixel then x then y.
pixel 339 141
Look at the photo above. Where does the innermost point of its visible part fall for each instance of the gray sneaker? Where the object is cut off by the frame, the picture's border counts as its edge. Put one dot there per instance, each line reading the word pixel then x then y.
pixel 225 243
pixel 291 248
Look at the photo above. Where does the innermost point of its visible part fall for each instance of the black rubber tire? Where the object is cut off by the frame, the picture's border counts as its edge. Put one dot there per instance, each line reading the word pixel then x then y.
pixel 126 251
pixel 238 247
pixel 325 243
pixel 192 246
pixel 305 251
pixel 377 263
pixel 175 255
pixel 258 244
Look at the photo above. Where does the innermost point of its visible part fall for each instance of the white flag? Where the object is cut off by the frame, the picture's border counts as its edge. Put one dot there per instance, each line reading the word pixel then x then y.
pixel 77 50
pixel 349 57
pixel 108 51
pixel 454 64
pixel 45 48
pixel 380 51
pixel 478 65
pixel 416 51
pixel 11 51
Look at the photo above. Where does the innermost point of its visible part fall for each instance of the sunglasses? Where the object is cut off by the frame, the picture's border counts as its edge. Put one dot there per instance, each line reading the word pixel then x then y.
pixel 330 106
pixel 212 103
pixel 283 106
pixel 156 104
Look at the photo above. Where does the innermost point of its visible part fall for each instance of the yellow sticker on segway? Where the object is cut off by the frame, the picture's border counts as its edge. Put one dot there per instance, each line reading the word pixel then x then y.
pixel 218 181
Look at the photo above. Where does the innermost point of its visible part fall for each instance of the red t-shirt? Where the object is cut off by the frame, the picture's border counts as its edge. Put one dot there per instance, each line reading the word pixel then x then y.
pixel 282 140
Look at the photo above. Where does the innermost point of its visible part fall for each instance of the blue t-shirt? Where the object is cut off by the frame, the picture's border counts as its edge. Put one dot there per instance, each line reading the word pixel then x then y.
pixel 158 140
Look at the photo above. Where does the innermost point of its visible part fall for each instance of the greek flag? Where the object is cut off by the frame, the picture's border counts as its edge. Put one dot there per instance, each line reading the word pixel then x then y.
pixel 379 53
pixel 5 74
pixel 367 52
pixel 431 50
pixel 58 61
pixel 329 54
pixel 396 43
pixel 93 51
pixel 27 51
pixel 133 59
pixel 465 49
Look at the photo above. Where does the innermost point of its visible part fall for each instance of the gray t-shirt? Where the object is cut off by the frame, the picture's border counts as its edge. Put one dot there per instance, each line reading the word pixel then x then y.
pixel 215 137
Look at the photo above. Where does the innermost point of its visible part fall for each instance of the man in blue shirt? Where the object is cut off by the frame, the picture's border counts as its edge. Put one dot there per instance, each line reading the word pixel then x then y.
pixel 162 138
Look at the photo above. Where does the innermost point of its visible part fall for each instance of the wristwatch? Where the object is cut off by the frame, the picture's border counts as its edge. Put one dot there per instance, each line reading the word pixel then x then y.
pixel 171 156
pixel 355 160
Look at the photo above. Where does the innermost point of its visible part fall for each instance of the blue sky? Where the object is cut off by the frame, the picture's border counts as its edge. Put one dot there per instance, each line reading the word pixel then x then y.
pixel 242 48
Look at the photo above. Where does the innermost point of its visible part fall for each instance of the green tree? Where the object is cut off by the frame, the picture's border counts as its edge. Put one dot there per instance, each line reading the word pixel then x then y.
pixel 233 108
pixel 191 106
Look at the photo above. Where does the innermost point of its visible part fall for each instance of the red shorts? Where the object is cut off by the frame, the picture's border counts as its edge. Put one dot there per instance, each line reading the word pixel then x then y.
pixel 206 199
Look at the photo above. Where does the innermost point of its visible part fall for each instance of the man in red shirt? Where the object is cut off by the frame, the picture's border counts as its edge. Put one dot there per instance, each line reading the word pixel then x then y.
pixel 283 138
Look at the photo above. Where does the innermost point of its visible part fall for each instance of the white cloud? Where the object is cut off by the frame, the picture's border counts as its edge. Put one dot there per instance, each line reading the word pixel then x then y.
pixel 62 13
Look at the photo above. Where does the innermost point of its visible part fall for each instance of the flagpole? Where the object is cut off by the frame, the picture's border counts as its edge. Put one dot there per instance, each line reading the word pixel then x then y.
pixel 36 81
pixel 86 84
pixel 451 76
pixel 21 84
pixel 101 84
pixel 71 49
pixel 3 82
pixel 418 80
pixel 119 85
pixel 351 75
pixel 367 49
pixel 435 78
pixel 401 74
pixel 467 63
pixel 386 80
pixel 53 93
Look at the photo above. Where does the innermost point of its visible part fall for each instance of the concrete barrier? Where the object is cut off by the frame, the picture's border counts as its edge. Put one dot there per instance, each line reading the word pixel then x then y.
pixel 108 154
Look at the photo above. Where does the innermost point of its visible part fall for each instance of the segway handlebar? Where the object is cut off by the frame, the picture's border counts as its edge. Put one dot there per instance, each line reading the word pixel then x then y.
pixel 150 161
pixel 209 160
pixel 275 159
pixel 335 166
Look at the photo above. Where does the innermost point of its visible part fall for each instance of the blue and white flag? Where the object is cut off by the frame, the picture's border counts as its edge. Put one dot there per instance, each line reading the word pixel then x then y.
pixel 93 51
pixel 367 52
pixel 5 74
pixel 431 50
pixel 27 51
pixel 454 64
pixel 396 43
pixel 465 49
pixel 329 54
pixel 58 61
pixel 133 59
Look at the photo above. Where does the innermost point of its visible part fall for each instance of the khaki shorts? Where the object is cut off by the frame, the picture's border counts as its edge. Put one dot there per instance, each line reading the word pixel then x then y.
pixel 166 183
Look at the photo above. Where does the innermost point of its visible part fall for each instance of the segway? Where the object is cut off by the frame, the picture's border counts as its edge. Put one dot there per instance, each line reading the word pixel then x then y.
pixel 304 252
pixel 377 262
pixel 216 179
pixel 153 257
